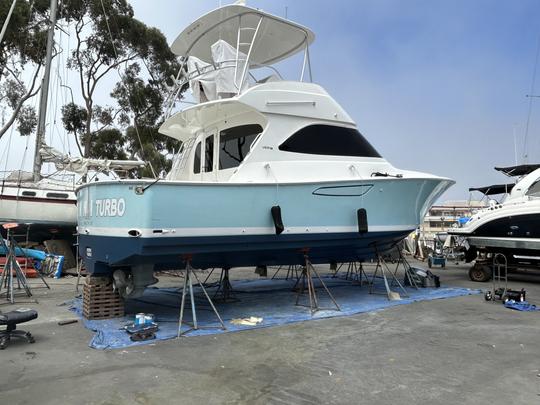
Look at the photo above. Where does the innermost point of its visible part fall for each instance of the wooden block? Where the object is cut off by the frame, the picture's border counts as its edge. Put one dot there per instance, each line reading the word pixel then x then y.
pixel 100 301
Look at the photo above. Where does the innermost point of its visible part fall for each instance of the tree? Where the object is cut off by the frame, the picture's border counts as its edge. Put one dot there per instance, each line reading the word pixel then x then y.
pixel 22 50
pixel 109 38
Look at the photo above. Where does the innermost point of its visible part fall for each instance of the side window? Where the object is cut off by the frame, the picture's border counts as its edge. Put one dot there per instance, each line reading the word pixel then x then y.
pixel 534 189
pixel 209 154
pixel 197 159
pixel 329 140
pixel 234 144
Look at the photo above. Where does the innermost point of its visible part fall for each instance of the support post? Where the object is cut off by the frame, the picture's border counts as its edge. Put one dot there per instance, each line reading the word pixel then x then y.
pixel 188 288
pixel 383 268
pixel 306 279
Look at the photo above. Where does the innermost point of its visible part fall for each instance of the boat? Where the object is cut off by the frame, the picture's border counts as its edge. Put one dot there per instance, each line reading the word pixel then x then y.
pixel 44 206
pixel 270 169
pixel 510 228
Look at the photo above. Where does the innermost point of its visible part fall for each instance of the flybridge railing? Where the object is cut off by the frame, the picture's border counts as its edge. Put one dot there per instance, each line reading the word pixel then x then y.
pixel 184 77
pixel 200 73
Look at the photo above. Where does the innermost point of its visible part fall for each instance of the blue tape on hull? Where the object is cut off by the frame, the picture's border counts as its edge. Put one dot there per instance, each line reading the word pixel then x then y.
pixel 231 251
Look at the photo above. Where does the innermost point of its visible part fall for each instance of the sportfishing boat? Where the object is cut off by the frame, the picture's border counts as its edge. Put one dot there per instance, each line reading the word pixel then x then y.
pixel 510 228
pixel 270 169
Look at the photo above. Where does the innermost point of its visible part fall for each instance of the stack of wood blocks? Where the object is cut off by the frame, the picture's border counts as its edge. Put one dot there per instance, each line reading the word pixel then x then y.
pixel 100 301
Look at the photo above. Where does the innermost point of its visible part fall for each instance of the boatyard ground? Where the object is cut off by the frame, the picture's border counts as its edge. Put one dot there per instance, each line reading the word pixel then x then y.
pixel 458 350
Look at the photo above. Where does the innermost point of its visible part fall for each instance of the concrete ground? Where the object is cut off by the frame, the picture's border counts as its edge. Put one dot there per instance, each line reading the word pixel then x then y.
pixel 459 350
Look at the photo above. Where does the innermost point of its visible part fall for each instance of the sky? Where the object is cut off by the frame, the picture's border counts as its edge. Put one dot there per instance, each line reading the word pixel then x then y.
pixel 436 86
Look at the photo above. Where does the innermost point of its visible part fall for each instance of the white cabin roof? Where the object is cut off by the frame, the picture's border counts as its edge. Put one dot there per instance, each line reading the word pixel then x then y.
pixel 184 124
pixel 277 38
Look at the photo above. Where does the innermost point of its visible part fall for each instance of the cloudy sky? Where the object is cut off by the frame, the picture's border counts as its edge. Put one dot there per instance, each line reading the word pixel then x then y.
pixel 436 86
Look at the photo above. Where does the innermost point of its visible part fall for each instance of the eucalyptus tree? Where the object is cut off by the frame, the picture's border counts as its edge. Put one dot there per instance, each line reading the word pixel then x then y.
pixel 111 43
pixel 22 53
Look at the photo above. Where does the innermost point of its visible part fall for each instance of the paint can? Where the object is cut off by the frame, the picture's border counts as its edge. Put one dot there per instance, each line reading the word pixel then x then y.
pixel 148 319
pixel 139 319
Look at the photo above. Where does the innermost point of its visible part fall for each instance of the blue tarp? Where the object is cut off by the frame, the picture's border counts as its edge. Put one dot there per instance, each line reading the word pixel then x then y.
pixel 271 300
pixel 520 306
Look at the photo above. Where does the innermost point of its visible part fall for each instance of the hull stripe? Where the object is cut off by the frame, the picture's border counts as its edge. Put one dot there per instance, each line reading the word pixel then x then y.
pixel 234 231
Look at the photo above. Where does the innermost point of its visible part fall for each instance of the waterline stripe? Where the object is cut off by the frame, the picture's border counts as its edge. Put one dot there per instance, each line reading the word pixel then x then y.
pixel 232 231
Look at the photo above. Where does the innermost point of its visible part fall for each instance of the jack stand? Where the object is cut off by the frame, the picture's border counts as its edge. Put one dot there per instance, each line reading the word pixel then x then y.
pixel 307 278
pixel 188 284
pixel 355 270
pixel 410 276
pixel 292 270
pixel 383 267
pixel 11 270
pixel 225 292
pixel 205 282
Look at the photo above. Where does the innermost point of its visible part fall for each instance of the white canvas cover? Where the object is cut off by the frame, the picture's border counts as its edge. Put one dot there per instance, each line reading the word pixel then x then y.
pixel 216 81
pixel 83 165
pixel 203 82
pixel 224 56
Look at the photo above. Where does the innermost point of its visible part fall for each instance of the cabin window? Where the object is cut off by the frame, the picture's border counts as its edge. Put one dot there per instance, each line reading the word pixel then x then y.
pixel 57 195
pixel 534 189
pixel 197 159
pixel 234 144
pixel 329 140
pixel 209 154
pixel 29 193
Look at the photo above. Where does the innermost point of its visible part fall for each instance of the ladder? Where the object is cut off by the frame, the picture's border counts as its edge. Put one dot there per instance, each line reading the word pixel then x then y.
pixel 245 39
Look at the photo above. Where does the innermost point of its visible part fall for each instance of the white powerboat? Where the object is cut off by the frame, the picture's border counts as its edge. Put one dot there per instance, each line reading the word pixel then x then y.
pixel 270 168
pixel 510 228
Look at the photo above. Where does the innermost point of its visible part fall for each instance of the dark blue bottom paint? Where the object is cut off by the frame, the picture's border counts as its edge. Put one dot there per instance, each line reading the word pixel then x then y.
pixel 231 251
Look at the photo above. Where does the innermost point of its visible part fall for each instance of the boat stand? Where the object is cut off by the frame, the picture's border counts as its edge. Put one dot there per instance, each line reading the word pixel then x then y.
pixel 12 270
pixel 355 273
pixel 225 292
pixel 292 271
pixel 410 276
pixel 188 284
pixel 384 270
pixel 306 280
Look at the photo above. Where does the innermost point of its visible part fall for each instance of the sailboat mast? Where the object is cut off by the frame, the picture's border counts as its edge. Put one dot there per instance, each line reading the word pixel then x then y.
pixel 44 93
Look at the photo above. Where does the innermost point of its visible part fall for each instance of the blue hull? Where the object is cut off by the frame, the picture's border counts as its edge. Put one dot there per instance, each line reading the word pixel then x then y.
pixel 135 223
pixel 232 251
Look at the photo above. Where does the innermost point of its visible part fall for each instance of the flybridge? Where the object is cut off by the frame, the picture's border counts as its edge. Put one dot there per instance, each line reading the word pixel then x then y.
pixel 222 48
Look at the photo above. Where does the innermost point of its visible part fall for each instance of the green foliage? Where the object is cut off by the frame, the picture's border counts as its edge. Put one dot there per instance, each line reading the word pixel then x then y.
pixel 109 38
pixel 27 120
pixel 26 33
pixel 74 118
pixel 108 144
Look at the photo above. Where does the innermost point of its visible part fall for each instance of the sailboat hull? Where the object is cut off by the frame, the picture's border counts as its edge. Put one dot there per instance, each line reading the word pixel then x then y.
pixel 230 225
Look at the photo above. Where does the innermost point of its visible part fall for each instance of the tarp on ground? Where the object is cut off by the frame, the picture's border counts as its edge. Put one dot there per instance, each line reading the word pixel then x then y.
pixel 271 300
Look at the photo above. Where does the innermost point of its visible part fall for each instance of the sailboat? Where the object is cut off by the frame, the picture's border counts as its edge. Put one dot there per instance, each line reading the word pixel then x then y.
pixel 271 169
pixel 41 205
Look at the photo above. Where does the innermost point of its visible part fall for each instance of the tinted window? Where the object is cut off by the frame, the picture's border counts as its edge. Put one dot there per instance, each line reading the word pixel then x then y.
pixel 329 140
pixel 234 144
pixel 197 159
pixel 57 195
pixel 534 190
pixel 209 154
pixel 29 193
